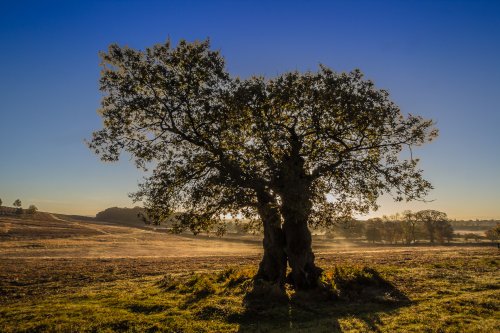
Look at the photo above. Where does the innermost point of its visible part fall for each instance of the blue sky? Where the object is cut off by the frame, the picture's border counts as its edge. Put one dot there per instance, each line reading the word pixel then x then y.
pixel 439 59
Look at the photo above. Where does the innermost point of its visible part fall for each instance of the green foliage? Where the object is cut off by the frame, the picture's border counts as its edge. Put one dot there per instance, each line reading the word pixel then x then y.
pixel 17 203
pixel 219 143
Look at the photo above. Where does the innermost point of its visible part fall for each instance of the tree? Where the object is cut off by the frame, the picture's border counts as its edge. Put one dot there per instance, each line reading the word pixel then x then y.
pixel 432 220
pixel 392 228
pixel 444 231
pixel 296 151
pixel 32 209
pixel 373 230
pixel 350 228
pixel 493 234
pixel 18 205
pixel 409 224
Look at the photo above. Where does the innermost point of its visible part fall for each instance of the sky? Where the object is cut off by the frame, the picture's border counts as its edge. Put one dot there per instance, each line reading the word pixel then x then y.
pixel 438 59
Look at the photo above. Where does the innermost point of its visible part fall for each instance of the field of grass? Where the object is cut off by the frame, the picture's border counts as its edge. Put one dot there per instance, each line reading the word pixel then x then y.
pixel 374 289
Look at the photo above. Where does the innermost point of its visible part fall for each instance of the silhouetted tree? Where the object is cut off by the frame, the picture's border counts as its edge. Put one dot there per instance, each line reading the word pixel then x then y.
pixel 409 225
pixel 272 148
pixel 431 220
pixel 373 230
pixel 392 229
pixel 471 235
pixel 32 209
pixel 351 228
pixel 493 234
pixel 18 205
pixel 444 231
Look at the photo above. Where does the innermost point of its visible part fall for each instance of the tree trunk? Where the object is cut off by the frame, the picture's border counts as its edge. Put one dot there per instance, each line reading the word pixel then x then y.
pixel 296 204
pixel 430 230
pixel 273 266
pixel 305 273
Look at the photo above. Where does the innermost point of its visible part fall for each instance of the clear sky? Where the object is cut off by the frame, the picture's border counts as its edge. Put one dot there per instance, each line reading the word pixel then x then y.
pixel 439 59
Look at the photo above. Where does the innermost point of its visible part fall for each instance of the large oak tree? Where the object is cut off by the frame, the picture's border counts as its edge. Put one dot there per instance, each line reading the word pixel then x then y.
pixel 291 152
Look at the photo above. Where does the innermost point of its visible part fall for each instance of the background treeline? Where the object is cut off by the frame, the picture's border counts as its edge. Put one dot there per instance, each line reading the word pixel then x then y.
pixel 473 225
pixel 412 227
pixel 408 227
pixel 17 209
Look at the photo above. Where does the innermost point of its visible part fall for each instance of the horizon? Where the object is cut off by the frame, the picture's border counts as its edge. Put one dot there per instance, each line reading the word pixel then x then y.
pixel 359 218
pixel 437 60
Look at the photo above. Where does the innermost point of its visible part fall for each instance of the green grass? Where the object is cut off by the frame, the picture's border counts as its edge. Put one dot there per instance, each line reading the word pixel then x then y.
pixel 457 294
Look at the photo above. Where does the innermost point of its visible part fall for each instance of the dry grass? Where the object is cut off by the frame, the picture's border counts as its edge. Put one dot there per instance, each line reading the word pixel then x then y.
pixel 69 282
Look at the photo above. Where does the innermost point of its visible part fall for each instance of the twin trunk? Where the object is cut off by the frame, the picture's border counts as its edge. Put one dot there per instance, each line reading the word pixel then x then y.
pixel 290 243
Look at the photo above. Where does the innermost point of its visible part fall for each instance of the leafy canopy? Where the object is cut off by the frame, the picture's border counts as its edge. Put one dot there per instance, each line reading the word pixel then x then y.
pixel 215 142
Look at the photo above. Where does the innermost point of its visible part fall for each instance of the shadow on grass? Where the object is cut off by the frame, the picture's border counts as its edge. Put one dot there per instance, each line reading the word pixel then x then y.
pixel 356 296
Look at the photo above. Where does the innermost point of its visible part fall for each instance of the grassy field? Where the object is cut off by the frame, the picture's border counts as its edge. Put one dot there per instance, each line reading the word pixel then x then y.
pixel 60 276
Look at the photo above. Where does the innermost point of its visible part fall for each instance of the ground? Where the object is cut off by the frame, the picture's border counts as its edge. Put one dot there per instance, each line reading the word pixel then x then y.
pixel 75 276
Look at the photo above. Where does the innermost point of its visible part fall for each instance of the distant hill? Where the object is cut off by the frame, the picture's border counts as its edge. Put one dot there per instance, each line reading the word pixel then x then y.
pixel 126 216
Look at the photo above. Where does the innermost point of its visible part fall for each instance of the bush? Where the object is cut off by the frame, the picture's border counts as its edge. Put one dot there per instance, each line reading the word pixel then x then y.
pixel 32 209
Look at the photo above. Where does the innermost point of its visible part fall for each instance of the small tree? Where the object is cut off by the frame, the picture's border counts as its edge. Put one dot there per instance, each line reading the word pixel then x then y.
pixel 32 209
pixel 18 205
pixel 493 234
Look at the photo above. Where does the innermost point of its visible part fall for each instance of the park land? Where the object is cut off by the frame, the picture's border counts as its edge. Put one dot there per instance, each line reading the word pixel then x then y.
pixel 65 274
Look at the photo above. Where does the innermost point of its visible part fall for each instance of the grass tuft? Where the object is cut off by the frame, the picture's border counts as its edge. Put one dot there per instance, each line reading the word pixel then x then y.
pixel 359 284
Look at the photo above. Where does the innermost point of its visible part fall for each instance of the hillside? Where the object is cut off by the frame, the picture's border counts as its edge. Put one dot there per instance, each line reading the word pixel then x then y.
pixel 60 275
pixel 40 216
pixel 123 216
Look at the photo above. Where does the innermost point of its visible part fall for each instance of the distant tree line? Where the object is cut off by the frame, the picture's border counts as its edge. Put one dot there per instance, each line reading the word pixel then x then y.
pixel 18 209
pixel 405 228
pixel 474 224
